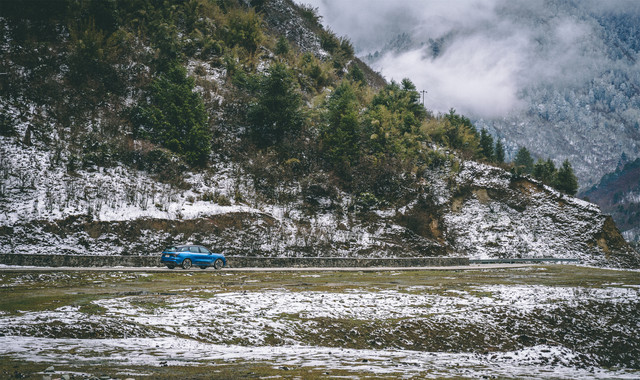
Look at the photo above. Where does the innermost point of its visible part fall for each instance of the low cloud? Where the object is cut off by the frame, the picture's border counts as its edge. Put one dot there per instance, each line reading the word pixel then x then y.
pixel 478 81
pixel 488 51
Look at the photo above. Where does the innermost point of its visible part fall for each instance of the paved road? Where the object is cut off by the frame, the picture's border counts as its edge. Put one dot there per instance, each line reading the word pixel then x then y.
pixel 9 268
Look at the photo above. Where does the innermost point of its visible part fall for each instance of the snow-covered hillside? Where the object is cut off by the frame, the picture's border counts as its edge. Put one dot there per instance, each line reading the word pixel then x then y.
pixel 476 210
pixel 618 194
pixel 500 215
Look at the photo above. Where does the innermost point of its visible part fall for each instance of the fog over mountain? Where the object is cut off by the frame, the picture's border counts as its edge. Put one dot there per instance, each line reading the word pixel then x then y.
pixel 560 77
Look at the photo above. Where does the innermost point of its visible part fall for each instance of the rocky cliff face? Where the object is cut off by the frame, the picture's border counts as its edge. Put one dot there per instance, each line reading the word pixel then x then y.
pixel 496 214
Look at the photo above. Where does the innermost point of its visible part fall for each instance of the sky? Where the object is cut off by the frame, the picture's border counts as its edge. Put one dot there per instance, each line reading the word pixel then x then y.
pixel 490 50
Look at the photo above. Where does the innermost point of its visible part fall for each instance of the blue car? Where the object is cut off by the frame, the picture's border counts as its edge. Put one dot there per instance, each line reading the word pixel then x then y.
pixel 188 255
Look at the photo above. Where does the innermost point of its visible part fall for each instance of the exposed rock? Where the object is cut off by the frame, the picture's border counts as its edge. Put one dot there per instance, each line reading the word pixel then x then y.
pixel 496 214
pixel 285 20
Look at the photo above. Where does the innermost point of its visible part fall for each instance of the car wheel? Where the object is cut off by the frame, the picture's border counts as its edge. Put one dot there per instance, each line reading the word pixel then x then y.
pixel 186 264
pixel 203 267
pixel 218 264
pixel 171 266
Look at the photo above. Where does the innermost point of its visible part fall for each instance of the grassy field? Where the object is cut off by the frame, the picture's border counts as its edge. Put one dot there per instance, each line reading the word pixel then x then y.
pixel 536 322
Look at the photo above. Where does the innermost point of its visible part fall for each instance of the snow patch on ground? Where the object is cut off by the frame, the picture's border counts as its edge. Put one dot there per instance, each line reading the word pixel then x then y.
pixel 205 324
pixel 408 364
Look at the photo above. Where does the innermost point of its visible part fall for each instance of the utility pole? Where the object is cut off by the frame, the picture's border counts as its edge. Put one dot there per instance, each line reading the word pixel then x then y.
pixel 423 94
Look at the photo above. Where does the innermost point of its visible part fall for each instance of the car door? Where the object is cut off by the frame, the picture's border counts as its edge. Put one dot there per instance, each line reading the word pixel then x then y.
pixel 207 256
pixel 196 257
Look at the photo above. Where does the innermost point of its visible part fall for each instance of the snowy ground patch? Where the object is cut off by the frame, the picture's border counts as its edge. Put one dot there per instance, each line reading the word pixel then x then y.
pixel 538 323
pixel 406 364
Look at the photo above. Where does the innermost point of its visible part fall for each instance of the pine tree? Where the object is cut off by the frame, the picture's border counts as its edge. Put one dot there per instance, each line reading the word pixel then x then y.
pixel 276 114
pixel 486 145
pixel 175 117
pixel 545 171
pixel 523 162
pixel 356 74
pixel 341 134
pixel 566 181
pixel 282 47
pixel 499 152
pixel 458 132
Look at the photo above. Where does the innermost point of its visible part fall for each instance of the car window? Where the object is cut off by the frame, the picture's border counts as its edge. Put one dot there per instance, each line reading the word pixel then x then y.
pixel 204 250
pixel 194 249
pixel 170 249
pixel 183 249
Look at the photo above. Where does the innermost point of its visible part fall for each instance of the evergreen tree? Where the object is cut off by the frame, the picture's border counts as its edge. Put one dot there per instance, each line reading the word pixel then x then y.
pixel 550 171
pixel 404 101
pixel 244 29
pixel 499 152
pixel 356 74
pixel 458 132
pixel 545 171
pixel 282 46
pixel 276 114
pixel 393 120
pixel 523 162
pixel 175 117
pixel 341 134
pixel 486 145
pixel 566 181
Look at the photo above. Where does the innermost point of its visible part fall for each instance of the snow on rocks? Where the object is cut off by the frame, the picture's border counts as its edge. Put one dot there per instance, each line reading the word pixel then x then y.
pixel 497 215
pixel 478 211
pixel 36 188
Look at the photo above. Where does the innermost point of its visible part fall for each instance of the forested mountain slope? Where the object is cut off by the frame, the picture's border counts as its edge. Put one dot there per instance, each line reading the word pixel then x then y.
pixel 126 126
pixel 559 77
pixel 618 194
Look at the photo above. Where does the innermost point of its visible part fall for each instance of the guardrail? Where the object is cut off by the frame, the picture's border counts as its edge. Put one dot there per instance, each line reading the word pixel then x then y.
pixel 521 260
pixel 232 261
pixel 342 262
pixel 260 262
